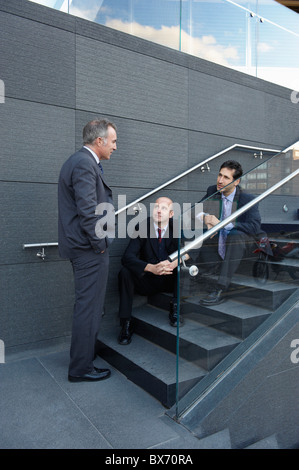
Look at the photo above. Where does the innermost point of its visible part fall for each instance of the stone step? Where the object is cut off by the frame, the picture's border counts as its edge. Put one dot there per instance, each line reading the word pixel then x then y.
pixel 269 442
pixel 148 365
pixel 219 440
pixel 269 295
pixel 208 335
pixel 198 343
pixel 232 317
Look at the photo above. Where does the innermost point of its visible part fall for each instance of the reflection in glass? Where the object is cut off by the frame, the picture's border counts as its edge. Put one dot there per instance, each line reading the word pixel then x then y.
pixel 258 37
pixel 217 330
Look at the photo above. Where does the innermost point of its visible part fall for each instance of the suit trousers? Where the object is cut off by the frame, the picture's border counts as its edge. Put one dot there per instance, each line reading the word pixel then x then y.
pixel 148 284
pixel 90 277
pixel 238 244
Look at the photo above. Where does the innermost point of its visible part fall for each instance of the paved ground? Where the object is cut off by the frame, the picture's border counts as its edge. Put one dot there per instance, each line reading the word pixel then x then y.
pixel 40 409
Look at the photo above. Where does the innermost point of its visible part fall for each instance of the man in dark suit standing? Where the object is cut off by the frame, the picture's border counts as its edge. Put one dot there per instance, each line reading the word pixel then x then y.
pixel 83 237
pixel 226 249
pixel 146 269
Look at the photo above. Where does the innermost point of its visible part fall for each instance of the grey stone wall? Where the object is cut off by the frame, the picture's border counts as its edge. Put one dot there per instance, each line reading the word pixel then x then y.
pixel 172 111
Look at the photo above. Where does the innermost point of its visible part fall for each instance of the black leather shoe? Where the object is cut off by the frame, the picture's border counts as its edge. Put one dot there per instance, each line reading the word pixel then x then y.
pixel 125 336
pixel 214 298
pixel 173 314
pixel 93 376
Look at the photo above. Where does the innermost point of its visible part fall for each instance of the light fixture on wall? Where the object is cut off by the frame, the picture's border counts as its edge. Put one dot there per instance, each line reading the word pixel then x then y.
pixel 205 168
pixel 258 155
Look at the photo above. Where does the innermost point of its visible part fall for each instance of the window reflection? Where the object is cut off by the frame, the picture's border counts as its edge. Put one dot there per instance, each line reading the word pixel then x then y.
pixel 258 37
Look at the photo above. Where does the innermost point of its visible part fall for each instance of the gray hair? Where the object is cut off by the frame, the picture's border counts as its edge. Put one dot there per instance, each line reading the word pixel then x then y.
pixel 95 129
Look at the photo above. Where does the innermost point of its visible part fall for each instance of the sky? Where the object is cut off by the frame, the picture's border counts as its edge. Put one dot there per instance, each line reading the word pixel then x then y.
pixel 216 30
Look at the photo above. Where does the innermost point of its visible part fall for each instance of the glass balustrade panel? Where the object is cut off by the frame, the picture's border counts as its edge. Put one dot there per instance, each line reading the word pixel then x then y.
pixel 276 55
pixel 257 37
pixel 152 321
pixel 223 303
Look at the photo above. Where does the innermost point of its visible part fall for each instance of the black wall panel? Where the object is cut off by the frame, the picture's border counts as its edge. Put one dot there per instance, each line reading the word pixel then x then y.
pixel 37 61
pixel 35 139
pixel 36 302
pixel 143 149
pixel 125 83
pixel 28 215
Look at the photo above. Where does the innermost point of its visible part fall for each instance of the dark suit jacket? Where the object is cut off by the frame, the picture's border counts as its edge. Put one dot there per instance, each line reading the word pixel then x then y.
pixel 81 188
pixel 144 250
pixel 249 222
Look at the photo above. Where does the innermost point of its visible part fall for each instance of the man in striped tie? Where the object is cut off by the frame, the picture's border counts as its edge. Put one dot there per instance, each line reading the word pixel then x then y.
pixel 223 252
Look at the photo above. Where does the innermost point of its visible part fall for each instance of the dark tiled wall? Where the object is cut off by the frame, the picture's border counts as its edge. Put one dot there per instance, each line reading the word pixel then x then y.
pixel 172 111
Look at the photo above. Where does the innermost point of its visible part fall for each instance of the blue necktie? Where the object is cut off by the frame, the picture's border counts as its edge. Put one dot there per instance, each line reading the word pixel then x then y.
pixel 223 232
pixel 101 168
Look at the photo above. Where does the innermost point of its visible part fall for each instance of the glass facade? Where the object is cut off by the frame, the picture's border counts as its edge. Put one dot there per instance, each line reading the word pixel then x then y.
pixel 257 37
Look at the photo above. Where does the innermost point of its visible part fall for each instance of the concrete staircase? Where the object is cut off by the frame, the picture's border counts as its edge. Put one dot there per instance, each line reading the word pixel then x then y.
pixel 208 335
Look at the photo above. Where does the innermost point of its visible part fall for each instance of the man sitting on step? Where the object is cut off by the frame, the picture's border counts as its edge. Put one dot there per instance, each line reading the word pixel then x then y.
pixel 225 250
pixel 146 269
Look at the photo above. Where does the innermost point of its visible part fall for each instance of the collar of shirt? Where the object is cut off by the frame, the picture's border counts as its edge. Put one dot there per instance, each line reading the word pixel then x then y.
pixel 230 197
pixel 163 230
pixel 93 154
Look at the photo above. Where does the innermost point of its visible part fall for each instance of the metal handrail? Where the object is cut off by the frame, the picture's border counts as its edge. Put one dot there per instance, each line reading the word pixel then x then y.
pixel 167 183
pixel 195 167
pixel 198 241
pixel 39 245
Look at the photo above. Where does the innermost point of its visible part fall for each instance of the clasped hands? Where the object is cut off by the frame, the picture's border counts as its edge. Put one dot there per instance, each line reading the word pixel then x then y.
pixel 162 268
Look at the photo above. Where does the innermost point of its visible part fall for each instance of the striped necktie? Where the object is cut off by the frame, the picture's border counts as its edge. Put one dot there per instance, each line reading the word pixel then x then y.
pixel 159 234
pixel 223 232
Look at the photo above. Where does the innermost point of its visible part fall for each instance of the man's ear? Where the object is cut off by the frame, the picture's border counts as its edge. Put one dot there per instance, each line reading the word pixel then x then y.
pixel 171 214
pixel 236 182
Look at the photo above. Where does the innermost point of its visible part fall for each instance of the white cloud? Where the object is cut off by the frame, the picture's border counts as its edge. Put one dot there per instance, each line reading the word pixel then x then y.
pixel 205 47
pixel 87 14
pixel 264 47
